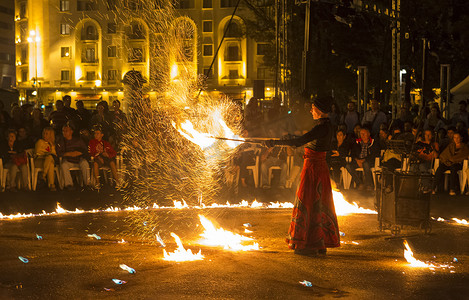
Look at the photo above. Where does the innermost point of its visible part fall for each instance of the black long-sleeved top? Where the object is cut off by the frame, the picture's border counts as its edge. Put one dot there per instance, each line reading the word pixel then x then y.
pixel 319 138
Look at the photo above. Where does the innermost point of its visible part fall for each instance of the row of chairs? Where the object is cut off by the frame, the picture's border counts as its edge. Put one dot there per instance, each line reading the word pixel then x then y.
pixel 255 170
pixel 34 171
pixel 346 178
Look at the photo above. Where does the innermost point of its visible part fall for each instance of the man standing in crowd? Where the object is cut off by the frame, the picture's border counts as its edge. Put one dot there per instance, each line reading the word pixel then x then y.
pixel 351 117
pixel 374 118
pixel 462 115
pixel 73 152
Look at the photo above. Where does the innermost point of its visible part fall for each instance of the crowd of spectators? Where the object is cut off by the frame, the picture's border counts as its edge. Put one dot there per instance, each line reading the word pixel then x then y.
pixel 66 139
pixel 361 141
pixel 83 140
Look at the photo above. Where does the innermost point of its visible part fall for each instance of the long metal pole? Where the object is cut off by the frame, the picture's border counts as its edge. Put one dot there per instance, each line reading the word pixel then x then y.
pixel 306 45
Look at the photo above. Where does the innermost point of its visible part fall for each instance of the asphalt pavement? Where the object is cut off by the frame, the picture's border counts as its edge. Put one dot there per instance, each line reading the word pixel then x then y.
pixel 67 263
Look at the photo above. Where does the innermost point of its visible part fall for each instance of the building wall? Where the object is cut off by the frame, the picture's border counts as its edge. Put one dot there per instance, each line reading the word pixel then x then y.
pixel 41 31
pixel 7 44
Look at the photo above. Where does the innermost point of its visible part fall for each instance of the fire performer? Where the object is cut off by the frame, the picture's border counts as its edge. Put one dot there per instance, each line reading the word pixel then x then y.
pixel 314 226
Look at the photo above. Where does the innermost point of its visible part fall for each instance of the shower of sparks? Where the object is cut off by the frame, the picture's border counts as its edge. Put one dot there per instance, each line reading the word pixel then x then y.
pixel 161 135
pixel 216 237
pixel 181 254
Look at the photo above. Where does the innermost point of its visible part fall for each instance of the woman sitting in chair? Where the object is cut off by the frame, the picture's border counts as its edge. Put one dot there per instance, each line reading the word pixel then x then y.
pixel 45 156
pixel 14 160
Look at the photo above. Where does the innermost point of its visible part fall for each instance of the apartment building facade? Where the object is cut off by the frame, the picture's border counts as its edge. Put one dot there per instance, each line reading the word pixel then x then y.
pixel 81 48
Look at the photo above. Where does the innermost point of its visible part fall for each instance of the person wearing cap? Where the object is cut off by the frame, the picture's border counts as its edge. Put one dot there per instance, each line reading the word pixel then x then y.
pixel 314 226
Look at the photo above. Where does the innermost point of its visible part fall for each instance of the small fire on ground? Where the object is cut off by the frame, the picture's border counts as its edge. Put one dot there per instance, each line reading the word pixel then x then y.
pixel 219 237
pixel 413 262
pixel 181 254
pixel 343 208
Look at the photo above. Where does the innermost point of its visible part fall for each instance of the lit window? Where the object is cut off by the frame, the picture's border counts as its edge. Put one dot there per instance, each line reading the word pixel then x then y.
pixel 207 26
pixel 64 5
pixel 206 73
pixel 232 54
pixel 65 51
pixel 89 55
pixel 65 29
pixel 112 51
pixel 24 55
pixel 24 75
pixel 112 75
pixel 23 10
pixel 86 5
pixel 136 55
pixel 65 75
pixel 208 50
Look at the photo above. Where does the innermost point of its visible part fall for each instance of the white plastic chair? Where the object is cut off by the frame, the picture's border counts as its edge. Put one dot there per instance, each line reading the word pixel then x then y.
pixel 35 174
pixel 462 175
pixel 255 171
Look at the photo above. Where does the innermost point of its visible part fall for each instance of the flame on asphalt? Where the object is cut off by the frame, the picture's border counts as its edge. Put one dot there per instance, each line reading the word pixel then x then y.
pixel 219 237
pixel 181 254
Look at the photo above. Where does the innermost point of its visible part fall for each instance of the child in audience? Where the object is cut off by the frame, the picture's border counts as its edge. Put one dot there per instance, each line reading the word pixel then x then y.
pixel 102 154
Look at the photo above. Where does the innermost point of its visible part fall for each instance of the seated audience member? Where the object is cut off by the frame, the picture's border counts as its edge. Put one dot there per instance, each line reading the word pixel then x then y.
pixel 275 156
pixel 363 152
pixel 102 154
pixel 442 139
pixel 383 138
pixel 336 157
pixel 73 152
pixel 45 156
pixel 14 160
pixel 451 159
pixel 426 151
pixel 352 137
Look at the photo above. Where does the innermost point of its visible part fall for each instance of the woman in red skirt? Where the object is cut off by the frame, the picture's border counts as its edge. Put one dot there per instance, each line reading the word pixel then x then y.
pixel 314 226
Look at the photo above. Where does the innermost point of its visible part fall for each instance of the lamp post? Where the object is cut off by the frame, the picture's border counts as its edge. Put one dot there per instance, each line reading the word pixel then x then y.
pixel 33 38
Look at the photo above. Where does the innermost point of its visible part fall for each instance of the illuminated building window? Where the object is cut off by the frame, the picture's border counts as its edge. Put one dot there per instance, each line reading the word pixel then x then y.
pixel 232 53
pixel 261 73
pixel 88 55
pixel 208 50
pixel 91 76
pixel 207 26
pixel 65 75
pixel 136 55
pixel 112 51
pixel 64 5
pixel 112 75
pixel 24 31
pixel 86 5
pixel 228 3
pixel 23 10
pixel 24 55
pixel 111 5
pixel 24 75
pixel 90 33
pixel 207 4
pixel 65 29
pixel 65 51
pixel 184 4
pixel 137 32
pixel 111 28
pixel 262 49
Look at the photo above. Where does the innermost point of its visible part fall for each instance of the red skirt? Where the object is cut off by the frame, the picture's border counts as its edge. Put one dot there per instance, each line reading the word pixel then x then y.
pixel 314 222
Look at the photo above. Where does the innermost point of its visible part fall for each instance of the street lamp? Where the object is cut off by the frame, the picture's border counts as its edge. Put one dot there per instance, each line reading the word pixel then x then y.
pixel 33 38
